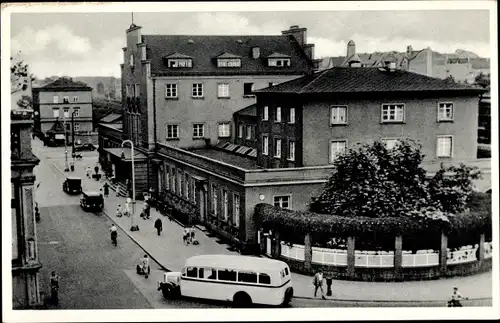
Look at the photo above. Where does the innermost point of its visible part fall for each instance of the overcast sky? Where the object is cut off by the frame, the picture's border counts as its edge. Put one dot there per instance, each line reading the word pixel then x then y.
pixel 78 44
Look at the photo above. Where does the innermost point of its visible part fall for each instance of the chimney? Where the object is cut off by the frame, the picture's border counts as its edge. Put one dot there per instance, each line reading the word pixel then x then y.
pixel 309 50
pixel 300 34
pixel 255 52
pixel 351 49
pixel 409 50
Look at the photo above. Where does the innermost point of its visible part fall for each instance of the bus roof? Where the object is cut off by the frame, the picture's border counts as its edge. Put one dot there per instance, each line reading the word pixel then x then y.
pixel 235 262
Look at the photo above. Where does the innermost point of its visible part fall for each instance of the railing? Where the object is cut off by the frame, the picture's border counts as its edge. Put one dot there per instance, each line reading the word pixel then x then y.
pixel 423 258
pixel 326 256
pixel 465 254
pixel 374 259
pixel 294 252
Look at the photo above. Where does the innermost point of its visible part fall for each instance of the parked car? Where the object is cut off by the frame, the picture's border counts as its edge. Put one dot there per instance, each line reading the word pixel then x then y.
pixel 92 201
pixel 72 185
pixel 86 146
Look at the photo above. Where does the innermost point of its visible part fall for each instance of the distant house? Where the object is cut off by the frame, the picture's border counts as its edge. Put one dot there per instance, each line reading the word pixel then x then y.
pixel 463 66
pixel 63 100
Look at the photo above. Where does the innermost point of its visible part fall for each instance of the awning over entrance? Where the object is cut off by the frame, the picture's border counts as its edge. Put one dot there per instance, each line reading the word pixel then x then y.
pixel 199 178
pixel 117 152
pixel 156 161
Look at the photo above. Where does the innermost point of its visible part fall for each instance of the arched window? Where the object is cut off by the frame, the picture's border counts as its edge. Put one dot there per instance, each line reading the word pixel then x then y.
pixel 132 61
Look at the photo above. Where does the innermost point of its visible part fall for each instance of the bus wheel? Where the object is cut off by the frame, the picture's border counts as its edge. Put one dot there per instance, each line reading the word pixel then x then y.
pixel 166 292
pixel 288 296
pixel 241 300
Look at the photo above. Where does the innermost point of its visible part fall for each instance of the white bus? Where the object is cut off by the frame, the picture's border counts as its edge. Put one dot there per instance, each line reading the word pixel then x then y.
pixel 242 280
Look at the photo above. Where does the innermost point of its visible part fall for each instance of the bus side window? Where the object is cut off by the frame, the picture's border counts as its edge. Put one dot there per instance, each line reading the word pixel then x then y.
pixel 264 279
pixel 200 273
pixel 192 272
pixel 229 275
pixel 247 277
pixel 286 271
pixel 213 273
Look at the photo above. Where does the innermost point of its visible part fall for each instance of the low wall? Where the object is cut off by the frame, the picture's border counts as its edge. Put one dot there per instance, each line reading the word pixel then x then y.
pixel 382 265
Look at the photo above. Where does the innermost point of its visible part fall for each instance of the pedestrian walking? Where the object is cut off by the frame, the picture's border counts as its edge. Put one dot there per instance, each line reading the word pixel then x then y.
pixel 106 189
pixel 89 171
pixel 158 226
pixel 191 235
pixel 318 283
pixel 54 288
pixel 96 169
pixel 37 213
pixel 185 236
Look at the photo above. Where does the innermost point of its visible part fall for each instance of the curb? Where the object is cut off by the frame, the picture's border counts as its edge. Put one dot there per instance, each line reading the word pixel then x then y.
pixel 387 300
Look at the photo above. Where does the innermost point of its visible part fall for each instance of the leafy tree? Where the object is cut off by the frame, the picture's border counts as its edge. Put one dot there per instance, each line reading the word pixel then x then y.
pixel 25 102
pixel 482 80
pixel 373 181
pixel 450 79
pixel 19 78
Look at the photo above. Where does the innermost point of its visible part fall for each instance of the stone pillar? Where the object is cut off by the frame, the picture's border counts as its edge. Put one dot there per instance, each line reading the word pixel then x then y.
pixel 351 257
pixel 481 249
pixel 262 242
pixel 307 252
pixel 398 258
pixel 443 254
pixel 276 246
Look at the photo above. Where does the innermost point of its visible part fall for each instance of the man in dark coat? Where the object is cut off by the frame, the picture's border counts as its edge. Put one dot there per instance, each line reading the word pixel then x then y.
pixel 158 226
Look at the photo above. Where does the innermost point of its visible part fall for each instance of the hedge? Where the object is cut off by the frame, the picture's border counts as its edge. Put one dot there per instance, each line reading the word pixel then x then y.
pixel 420 232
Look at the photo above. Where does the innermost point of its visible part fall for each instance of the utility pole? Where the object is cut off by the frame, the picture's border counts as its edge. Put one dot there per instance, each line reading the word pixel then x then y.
pixel 73 134
pixel 66 169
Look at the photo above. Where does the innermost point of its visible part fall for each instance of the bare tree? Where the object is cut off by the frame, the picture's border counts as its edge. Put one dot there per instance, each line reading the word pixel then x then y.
pixel 19 77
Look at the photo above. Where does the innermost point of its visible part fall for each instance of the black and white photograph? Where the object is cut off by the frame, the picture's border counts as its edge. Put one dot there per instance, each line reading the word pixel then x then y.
pixel 250 161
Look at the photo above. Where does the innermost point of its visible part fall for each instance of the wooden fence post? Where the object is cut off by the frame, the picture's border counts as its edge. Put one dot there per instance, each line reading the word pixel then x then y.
pixel 398 258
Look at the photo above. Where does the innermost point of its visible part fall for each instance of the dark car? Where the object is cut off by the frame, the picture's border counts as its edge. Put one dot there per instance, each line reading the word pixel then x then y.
pixel 72 185
pixel 86 146
pixel 92 201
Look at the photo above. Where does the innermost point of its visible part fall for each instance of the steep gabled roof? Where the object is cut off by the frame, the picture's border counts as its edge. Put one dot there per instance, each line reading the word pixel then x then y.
pixel 205 49
pixel 64 83
pixel 57 127
pixel 177 55
pixel 278 55
pixel 366 79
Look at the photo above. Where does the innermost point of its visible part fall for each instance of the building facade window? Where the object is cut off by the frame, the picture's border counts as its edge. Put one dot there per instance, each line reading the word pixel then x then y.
pixel 55 112
pixel 445 112
pixel 337 147
pixel 186 184
pixel 198 130
pixel 249 132
pixel 236 210
pixel 55 99
pixel 131 60
pixel 76 112
pixel 223 90
pixel 393 113
pixel 291 150
pixel 281 62
pixel 247 89
pixel 224 129
pixel 277 147
pixel 291 116
pixel 66 112
pixel 338 115
pixel 283 201
pixel 174 180
pixel 65 99
pixel 265 115
pixel 172 131
pixel 444 146
pixel 75 99
pixel 77 127
pixel 180 182
pixel 240 130
pixel 277 115
pixel 171 90
pixel 265 145
pixel 137 90
pixel 167 178
pixel 128 90
pixel 390 143
pixel 214 200
pixel 225 207
pixel 197 90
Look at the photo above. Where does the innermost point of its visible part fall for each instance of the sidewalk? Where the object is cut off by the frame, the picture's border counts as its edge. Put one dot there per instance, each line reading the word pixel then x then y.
pixel 170 252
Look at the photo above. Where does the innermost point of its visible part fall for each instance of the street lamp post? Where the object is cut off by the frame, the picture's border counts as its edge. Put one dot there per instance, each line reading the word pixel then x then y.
pixel 73 134
pixel 133 225
pixel 66 166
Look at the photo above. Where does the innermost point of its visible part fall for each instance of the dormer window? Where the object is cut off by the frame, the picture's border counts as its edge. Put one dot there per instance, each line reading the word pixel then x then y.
pixel 178 63
pixel 279 62
pixel 177 60
pixel 226 62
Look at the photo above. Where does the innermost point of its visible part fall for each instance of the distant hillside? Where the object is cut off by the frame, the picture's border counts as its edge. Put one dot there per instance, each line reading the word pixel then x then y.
pixel 102 86
pixel 466 54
